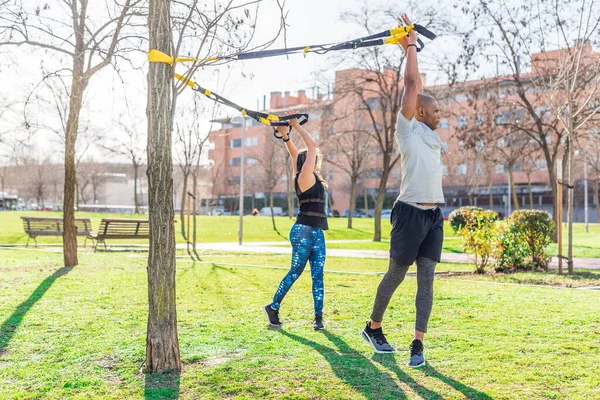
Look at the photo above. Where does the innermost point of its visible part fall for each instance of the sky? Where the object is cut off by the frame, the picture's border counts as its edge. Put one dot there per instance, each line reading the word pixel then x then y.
pixel 110 103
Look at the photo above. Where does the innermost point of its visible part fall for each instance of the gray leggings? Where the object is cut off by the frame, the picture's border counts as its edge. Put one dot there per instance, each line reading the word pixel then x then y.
pixel 394 277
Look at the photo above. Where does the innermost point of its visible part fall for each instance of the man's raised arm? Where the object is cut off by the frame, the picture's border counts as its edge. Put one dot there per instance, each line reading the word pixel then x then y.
pixel 412 78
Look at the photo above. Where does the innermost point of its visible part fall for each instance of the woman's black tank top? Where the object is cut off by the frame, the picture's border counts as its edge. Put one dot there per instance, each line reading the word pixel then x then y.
pixel 312 205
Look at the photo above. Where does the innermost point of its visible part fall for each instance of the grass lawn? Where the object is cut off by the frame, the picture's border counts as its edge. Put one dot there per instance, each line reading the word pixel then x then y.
pixel 80 333
pixel 259 229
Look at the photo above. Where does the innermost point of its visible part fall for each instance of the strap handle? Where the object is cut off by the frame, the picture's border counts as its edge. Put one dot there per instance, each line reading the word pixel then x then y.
pixel 284 121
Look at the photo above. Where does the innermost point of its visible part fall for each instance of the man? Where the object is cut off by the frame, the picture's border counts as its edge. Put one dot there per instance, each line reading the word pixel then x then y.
pixel 417 222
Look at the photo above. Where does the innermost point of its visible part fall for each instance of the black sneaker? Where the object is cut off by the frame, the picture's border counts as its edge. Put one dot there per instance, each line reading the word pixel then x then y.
pixel 272 315
pixel 377 339
pixel 416 354
pixel 318 322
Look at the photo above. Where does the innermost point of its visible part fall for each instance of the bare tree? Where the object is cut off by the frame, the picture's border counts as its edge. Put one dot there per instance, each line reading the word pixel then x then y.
pixel 590 148
pixel 272 169
pixel 205 30
pixel 376 88
pixel 554 94
pixel 90 39
pixel 351 148
pixel 128 143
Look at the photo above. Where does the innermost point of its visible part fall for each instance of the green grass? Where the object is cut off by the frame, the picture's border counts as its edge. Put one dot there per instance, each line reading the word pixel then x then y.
pixel 80 333
pixel 260 229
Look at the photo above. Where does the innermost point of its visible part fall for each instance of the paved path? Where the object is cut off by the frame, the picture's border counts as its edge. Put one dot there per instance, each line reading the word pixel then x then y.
pixel 280 248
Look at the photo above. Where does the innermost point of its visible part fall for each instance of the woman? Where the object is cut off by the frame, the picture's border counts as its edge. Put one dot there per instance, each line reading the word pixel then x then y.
pixel 306 236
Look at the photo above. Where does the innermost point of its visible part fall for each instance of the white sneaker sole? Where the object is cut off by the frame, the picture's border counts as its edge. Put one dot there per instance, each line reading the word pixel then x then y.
pixel 368 339
pixel 269 320
pixel 416 366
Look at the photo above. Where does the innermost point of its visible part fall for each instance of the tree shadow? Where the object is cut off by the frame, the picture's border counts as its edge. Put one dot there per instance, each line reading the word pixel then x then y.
pixel 358 371
pixel 162 386
pixel 467 391
pixel 9 327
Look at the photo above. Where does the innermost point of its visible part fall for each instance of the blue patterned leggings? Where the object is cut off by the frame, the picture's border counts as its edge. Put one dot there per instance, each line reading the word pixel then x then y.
pixel 308 244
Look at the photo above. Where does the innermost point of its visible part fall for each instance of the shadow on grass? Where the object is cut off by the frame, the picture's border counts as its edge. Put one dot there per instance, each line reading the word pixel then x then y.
pixel 8 328
pixel 391 364
pixel 162 386
pixel 359 372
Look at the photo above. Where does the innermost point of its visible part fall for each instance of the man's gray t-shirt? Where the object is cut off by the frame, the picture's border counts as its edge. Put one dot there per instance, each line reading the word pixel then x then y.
pixel 420 148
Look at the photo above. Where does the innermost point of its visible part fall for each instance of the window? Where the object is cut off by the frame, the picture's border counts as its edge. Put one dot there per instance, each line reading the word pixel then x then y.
pixel 316 135
pixel 234 180
pixel 500 119
pixel 479 120
pixel 461 144
pixel 463 121
pixel 444 147
pixel 252 141
pixel 329 177
pixel 444 170
pixel 211 145
pixel 500 169
pixel 444 123
pixel 478 169
pixel 501 142
pixel 373 173
pixel 374 103
pixel 235 143
pixel 251 161
pixel 396 172
pixel 540 164
pixel 329 132
pixel 461 170
pixel 235 162
pixel 594 133
pixel 518 167
pixel 479 145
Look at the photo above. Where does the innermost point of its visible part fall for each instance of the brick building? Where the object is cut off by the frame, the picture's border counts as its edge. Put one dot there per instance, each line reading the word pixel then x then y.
pixel 468 178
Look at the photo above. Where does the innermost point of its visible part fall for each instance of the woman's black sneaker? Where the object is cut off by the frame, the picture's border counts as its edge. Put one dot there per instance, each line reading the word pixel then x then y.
pixel 318 322
pixel 416 359
pixel 272 315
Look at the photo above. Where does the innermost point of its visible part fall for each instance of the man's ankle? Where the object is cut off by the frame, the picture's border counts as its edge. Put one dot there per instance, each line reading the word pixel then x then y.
pixel 374 325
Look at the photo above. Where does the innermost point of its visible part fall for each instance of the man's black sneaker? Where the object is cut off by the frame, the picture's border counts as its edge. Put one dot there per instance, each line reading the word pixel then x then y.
pixel 318 322
pixel 272 315
pixel 416 354
pixel 377 339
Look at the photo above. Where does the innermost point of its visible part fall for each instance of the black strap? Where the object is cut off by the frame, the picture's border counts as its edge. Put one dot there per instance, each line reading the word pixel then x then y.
pixel 302 119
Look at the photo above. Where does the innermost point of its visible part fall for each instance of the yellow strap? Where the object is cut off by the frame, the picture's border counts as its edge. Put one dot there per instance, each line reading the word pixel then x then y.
pixel 306 50
pixel 189 82
pixel 396 39
pixel 265 121
pixel 159 56
pixel 401 29
pixel 207 93
pixel 272 117
pixel 243 112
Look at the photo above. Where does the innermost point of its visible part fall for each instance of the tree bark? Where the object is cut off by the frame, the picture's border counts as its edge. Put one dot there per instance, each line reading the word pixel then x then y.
pixel 379 205
pixel 366 200
pixel 515 198
pixel 530 191
pixel 78 86
pixel 136 201
pixel 272 214
pixel 597 198
pixel 570 199
pixel 162 343
pixel 352 200
pixel 182 208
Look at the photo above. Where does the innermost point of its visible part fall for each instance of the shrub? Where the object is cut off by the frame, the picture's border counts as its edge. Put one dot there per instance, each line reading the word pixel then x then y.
pixel 477 235
pixel 458 218
pixel 510 252
pixel 533 229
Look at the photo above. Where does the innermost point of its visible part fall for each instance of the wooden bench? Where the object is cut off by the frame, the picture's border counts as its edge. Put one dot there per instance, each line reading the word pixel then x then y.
pixel 53 226
pixel 121 228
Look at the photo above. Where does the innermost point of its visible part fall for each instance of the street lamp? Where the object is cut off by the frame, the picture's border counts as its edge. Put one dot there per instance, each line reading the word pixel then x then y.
pixel 241 120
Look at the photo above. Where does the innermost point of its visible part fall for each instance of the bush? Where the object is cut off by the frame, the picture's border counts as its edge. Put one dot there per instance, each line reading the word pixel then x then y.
pixel 458 218
pixel 478 233
pixel 532 229
pixel 510 252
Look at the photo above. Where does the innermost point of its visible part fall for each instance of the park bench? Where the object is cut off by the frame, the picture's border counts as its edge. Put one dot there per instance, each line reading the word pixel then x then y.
pixel 53 226
pixel 121 228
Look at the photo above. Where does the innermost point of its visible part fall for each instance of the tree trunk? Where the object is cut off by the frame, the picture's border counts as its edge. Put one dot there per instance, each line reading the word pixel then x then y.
pixel 78 86
pixel 352 201
pixel 366 200
pixel 597 197
pixel 530 192
pixel 379 205
pixel 194 208
pixel 570 199
pixel 182 208
pixel 162 343
pixel 515 198
pixel 272 214
pixel 136 201
pixel 490 192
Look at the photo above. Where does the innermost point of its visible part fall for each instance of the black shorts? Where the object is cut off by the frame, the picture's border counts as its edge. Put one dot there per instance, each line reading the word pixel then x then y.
pixel 415 233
